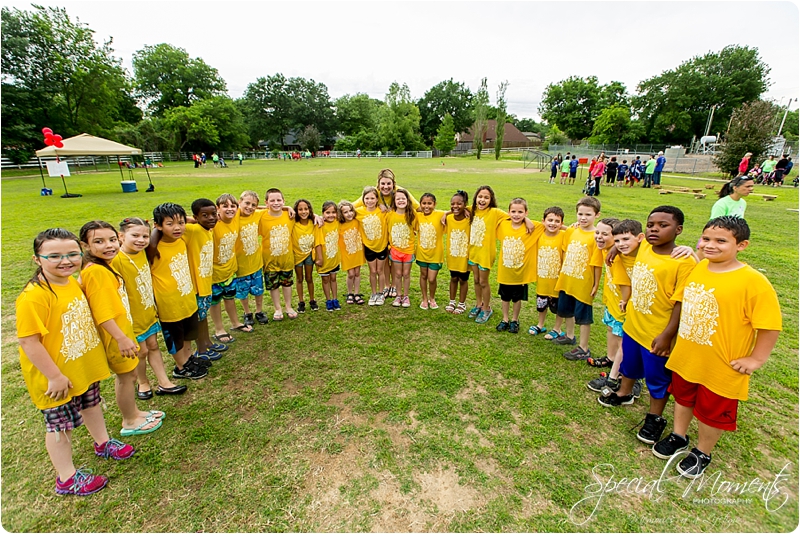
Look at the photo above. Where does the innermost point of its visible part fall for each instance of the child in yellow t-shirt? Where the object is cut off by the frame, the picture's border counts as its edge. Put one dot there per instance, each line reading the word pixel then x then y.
pixel 457 224
pixel 131 264
pixel 352 250
pixel 249 262
pixel 276 249
pixel 430 249
pixel 484 218
pixel 62 359
pixel 303 251
pixel 729 324
pixel 517 265
pixel 653 314
pixel 549 253
pixel 108 301
pixel 327 255
pixel 402 227
pixel 372 220
pixel 579 279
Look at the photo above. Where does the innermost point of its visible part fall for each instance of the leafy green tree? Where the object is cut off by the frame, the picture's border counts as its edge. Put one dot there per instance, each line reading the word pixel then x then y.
pixel 555 137
pixel 500 118
pixel 611 126
pixel 481 104
pixel 750 131
pixel 356 113
pixel 790 126
pixel 210 124
pixel 311 106
pixel 309 138
pixel 675 105
pixel 574 104
pixel 166 77
pixel 149 135
pixel 445 97
pixel 398 128
pixel 446 136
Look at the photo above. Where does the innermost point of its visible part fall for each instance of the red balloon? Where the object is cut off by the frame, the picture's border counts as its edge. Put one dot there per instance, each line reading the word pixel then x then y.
pixel 49 141
pixel 57 138
pixel 58 144
pixel 46 131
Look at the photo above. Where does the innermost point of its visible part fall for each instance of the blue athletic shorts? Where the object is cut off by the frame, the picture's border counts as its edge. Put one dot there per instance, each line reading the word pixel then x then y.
pixel 203 305
pixel 223 290
pixel 616 326
pixel 252 284
pixel 155 328
pixel 569 306
pixel 639 362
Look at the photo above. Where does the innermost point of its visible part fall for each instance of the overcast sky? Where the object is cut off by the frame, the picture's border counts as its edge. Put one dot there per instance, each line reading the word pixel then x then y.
pixel 362 47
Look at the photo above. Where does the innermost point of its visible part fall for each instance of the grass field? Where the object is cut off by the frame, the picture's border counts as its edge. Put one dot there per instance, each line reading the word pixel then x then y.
pixel 384 419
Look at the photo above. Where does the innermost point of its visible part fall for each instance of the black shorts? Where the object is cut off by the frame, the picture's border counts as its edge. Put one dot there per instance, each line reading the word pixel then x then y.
pixel 547 303
pixel 461 276
pixel 513 293
pixel 569 306
pixel 175 334
pixel 371 255
pixel 572 174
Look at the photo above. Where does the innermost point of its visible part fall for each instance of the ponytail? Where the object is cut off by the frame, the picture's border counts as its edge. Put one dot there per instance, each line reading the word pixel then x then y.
pixel 727 189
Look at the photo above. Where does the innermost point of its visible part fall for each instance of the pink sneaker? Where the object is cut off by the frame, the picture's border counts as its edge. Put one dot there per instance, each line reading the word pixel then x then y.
pixel 406 302
pixel 432 305
pixel 398 301
pixel 83 482
pixel 114 449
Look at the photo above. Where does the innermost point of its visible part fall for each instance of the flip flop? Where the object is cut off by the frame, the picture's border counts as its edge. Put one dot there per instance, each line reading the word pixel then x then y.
pixel 291 314
pixel 224 338
pixel 140 430
pixel 157 414
pixel 277 316
pixel 242 328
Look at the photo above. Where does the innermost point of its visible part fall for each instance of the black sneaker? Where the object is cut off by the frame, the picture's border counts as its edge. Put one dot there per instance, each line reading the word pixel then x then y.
pixel 637 389
pixel 513 327
pixel 248 320
pixel 652 429
pixel 301 307
pixel 668 446
pixel 693 465
pixel 503 326
pixel 313 305
pixel 190 371
pixel 262 318
pixel 598 383
pixel 577 354
pixel 200 362
pixel 615 400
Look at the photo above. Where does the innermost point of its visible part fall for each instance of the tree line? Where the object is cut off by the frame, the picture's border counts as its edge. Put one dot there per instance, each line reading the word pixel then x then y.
pixel 54 73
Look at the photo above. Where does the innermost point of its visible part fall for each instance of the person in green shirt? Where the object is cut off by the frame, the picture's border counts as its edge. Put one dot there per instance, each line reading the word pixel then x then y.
pixel 769 165
pixel 564 170
pixel 731 197
pixel 649 169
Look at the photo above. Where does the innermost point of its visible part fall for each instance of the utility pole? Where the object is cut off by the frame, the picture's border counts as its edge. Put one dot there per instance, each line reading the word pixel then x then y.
pixel 784 115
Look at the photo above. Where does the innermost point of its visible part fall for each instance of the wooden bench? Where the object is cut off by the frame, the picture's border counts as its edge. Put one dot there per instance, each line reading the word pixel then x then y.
pixel 670 191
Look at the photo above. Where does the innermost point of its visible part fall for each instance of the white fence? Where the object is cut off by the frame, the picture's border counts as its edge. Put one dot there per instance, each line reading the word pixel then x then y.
pixel 371 154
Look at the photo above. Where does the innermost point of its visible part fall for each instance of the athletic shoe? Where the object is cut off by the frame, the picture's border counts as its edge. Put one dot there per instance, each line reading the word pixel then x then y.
pixel 670 445
pixel 380 299
pixel 248 320
pixel 114 449
pixel 473 313
pixel 693 465
pixel 615 400
pixel 652 429
pixel 313 305
pixel 502 326
pixel 483 316
pixel 209 355
pixel 513 327
pixel 602 381
pixel 329 305
pixel 637 389
pixel 564 340
pixel 301 307
pixel 398 301
pixel 336 305
pixel 406 302
pixel 218 347
pixel 190 371
pixel 82 483
pixel 372 299
pixel 199 362
pixel 577 354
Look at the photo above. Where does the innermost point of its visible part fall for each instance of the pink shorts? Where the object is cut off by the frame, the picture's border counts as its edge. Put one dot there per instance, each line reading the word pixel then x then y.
pixel 400 257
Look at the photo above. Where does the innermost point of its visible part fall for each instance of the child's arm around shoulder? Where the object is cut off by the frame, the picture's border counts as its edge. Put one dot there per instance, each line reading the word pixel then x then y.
pixel 152 248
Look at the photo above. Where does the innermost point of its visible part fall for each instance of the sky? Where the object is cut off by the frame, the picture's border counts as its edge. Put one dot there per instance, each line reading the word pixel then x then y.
pixel 362 47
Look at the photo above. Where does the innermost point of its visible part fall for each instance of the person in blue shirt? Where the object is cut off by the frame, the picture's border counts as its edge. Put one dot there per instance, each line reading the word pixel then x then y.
pixel 573 168
pixel 622 170
pixel 553 170
pixel 660 162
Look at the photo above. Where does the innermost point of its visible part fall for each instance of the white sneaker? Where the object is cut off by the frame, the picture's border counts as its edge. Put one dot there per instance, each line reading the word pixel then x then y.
pixel 372 299
pixel 379 299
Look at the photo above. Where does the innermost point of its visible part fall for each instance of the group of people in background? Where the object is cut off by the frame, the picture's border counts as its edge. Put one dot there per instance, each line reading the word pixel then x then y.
pixel 615 173
pixel 771 172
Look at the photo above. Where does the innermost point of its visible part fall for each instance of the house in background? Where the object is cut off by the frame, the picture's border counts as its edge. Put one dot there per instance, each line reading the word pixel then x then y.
pixel 512 137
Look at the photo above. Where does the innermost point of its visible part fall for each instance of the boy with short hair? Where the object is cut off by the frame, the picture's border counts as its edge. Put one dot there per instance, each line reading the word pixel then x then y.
pixel 549 253
pixel 649 170
pixel 276 250
pixel 249 262
pixel 573 169
pixel 622 171
pixel 657 284
pixel 729 324
pixel 564 170
pixel 579 279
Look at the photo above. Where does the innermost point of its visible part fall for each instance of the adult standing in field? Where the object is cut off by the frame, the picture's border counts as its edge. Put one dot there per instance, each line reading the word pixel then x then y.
pixel 789 166
pixel 660 162
pixel 241 158
pixel 649 169
pixel 358 153
pixel 744 165
pixel 731 197
pixel 768 166
pixel 780 170
pixel 598 171
pixel 611 170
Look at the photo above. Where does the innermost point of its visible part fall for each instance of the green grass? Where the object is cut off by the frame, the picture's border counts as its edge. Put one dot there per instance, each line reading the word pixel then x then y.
pixel 384 419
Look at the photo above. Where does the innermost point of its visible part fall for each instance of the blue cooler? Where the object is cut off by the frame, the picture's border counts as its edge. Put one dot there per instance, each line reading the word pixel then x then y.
pixel 129 186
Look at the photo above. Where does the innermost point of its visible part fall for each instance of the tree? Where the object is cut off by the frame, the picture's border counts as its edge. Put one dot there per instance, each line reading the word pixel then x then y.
pixel 210 124
pixel 445 97
pixel 675 104
pixel 166 77
pixel 500 118
pixel 611 126
pixel 398 128
pixel 309 138
pixel 356 113
pixel 750 131
pixel 555 137
pixel 479 127
pixel 574 104
pixel 446 136
pixel 310 106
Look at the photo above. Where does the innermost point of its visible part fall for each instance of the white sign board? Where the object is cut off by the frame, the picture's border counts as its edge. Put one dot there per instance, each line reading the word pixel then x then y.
pixel 57 168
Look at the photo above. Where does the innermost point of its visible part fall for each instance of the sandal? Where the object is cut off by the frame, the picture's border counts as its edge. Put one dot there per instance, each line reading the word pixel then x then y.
pixel 535 330
pixel 392 292
pixel 605 361
pixel 243 328
pixel 224 338
pixel 461 308
pixel 277 316
pixel 351 299
pixel 359 298
pixel 473 313
pixel 552 334
pixel 451 306
pixel 291 314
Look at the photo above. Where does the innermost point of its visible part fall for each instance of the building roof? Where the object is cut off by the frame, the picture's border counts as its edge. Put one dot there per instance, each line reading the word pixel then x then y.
pixel 510 133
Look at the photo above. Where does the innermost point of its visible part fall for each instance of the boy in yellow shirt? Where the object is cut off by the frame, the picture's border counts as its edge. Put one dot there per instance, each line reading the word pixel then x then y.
pixel 657 285
pixel 549 252
pixel 579 279
pixel 276 250
pixel 729 324
pixel 249 262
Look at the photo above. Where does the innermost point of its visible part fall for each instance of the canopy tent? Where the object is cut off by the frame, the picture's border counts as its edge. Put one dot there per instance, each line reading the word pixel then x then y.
pixel 89 145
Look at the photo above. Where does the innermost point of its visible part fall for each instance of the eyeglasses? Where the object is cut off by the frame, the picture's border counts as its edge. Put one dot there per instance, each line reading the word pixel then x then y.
pixel 73 257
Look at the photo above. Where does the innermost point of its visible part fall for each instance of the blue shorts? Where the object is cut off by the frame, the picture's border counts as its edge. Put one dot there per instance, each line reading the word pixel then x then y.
pixel 638 362
pixel 203 305
pixel 473 264
pixel 616 326
pixel 252 284
pixel 431 266
pixel 223 290
pixel 308 261
pixel 569 306
pixel 154 329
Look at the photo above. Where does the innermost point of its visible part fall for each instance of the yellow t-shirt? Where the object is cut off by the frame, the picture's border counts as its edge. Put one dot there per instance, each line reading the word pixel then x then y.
pixel 225 236
pixel 108 300
pixel 719 318
pixel 200 250
pixel 373 228
pixel 457 244
pixel 581 255
pixel 328 237
pixel 657 283
pixel 482 232
pixel 302 241
pixel 350 246
pixel 517 264
pixel 401 235
pixel 549 253
pixel 616 275
pixel 135 272
pixel 430 244
pixel 172 282
pixel 276 242
pixel 248 246
pixel 68 333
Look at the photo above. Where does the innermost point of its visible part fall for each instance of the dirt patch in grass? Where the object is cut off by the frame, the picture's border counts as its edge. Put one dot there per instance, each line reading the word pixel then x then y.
pixel 471 391
pixel 482 441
